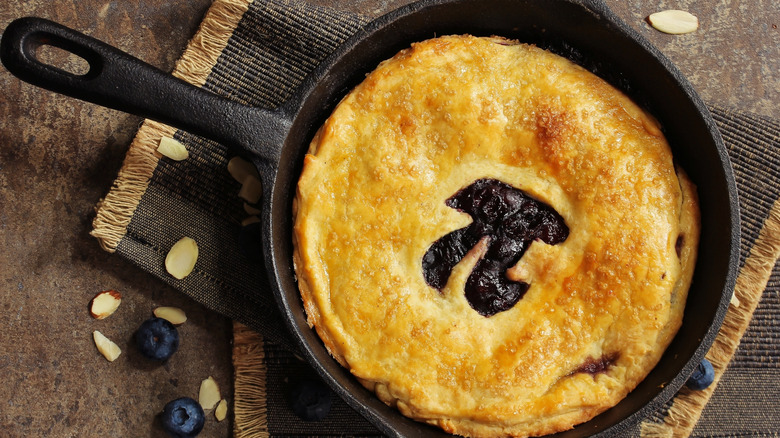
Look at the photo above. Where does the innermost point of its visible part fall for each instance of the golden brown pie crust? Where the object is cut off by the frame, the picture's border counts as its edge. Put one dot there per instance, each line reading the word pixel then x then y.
pixel 371 201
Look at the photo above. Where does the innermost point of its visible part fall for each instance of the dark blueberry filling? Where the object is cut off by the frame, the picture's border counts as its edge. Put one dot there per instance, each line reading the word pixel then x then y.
pixel 678 245
pixel 595 366
pixel 511 220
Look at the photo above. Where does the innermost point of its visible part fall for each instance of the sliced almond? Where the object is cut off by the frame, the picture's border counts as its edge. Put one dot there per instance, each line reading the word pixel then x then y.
pixel 172 149
pixel 104 304
pixel 251 190
pixel 174 315
pixel 106 347
pixel 181 259
pixel 674 21
pixel 209 394
pixel 221 411
pixel 240 169
pixel 734 300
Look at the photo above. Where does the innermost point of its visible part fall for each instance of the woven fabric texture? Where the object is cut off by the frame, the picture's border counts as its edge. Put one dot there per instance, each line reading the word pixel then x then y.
pixel 257 53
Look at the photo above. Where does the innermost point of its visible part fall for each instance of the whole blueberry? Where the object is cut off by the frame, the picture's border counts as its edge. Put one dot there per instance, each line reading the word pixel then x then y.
pixel 183 418
pixel 249 238
pixel 311 400
pixel 157 339
pixel 702 376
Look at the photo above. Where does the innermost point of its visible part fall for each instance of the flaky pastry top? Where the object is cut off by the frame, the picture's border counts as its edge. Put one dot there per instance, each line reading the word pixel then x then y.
pixel 601 306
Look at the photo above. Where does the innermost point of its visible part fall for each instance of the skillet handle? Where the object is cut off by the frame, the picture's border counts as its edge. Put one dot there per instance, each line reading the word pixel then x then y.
pixel 600 4
pixel 119 81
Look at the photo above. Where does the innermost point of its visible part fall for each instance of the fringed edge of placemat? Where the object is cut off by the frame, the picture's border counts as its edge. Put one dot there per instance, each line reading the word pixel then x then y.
pixel 114 212
pixel 249 408
pixel 751 282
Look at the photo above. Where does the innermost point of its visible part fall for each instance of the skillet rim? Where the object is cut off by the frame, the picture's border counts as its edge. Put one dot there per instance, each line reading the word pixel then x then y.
pixel 283 193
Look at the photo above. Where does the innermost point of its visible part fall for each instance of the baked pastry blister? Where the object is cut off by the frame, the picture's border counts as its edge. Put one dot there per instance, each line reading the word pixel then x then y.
pixel 493 239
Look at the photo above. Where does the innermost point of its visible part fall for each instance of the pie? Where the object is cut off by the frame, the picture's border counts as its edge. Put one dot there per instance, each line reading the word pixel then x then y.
pixel 493 239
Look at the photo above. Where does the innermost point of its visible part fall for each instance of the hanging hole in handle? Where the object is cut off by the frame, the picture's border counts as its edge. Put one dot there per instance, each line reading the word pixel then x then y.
pixel 62 59
pixel 63 55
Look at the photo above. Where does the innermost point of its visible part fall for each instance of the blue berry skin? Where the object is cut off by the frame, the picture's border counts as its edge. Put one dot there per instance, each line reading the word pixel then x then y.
pixel 311 400
pixel 157 339
pixel 702 376
pixel 183 418
pixel 249 239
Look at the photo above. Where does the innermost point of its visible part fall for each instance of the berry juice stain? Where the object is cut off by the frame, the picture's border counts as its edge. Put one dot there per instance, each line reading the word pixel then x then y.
pixel 511 220
pixel 595 366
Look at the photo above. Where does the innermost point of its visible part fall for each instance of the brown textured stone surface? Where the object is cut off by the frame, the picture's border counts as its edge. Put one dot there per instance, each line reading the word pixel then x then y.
pixel 58 157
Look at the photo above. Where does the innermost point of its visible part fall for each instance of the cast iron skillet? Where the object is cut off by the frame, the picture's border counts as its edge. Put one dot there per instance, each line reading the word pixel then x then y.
pixel 582 30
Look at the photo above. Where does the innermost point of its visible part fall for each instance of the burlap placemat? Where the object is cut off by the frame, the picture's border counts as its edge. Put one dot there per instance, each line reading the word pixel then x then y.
pixel 257 53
